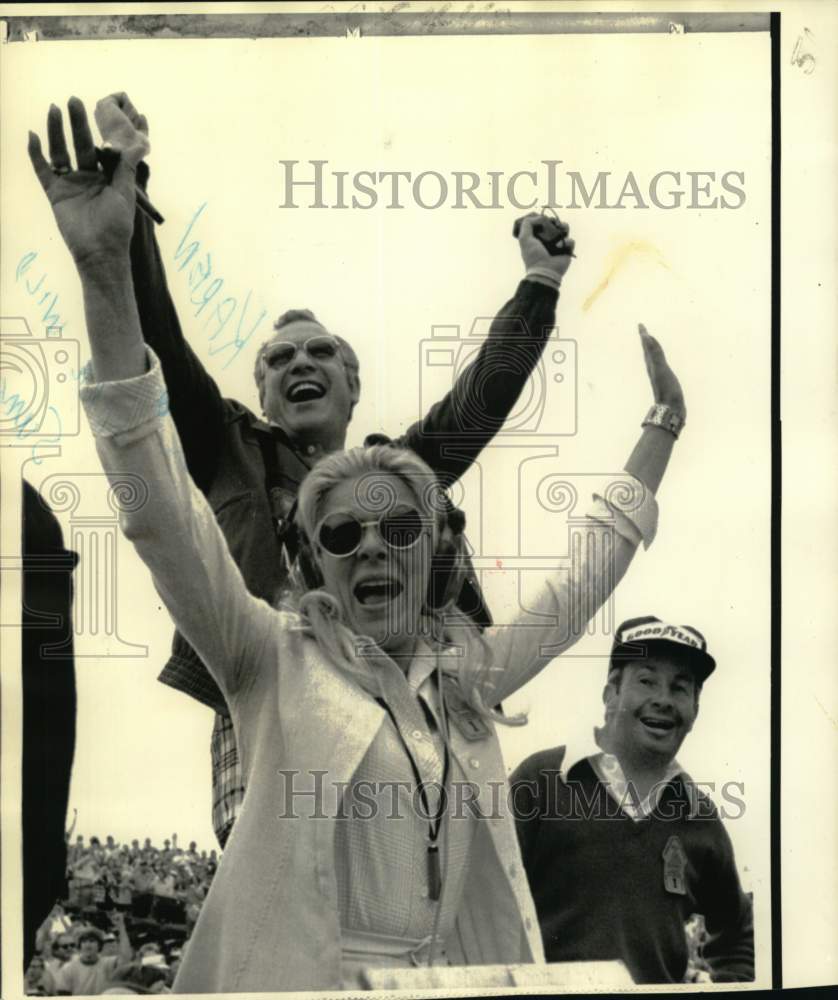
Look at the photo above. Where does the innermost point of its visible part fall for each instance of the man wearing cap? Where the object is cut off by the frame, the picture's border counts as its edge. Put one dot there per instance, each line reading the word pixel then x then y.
pixel 622 849
pixel 89 972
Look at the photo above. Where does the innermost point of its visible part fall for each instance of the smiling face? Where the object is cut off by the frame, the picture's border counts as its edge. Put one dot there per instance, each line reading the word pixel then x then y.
pixel 381 589
pixel 650 712
pixel 89 951
pixel 311 395
pixel 63 948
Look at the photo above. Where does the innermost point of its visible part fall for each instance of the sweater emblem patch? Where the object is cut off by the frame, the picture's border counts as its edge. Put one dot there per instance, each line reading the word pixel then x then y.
pixel 675 867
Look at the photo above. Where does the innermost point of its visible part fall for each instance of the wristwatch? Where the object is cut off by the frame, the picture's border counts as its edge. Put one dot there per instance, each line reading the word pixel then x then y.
pixel 661 415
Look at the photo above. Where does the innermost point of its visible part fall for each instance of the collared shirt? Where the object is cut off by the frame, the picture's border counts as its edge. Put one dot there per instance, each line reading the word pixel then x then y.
pixel 610 773
pixel 382 861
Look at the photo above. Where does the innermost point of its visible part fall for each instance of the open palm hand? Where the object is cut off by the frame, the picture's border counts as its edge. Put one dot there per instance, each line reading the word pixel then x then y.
pixel 94 209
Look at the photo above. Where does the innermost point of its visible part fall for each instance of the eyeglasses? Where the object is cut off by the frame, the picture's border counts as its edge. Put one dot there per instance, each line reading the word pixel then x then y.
pixel 340 533
pixel 282 352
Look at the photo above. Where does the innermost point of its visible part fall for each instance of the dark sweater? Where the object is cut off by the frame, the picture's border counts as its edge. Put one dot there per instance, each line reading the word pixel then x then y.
pixel 597 875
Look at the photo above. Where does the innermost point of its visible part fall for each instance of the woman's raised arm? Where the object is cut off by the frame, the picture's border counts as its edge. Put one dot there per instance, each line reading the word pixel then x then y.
pixel 124 394
pixel 95 216
pixel 623 514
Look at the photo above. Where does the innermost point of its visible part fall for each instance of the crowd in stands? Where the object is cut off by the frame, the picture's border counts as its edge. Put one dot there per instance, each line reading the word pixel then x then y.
pixel 128 913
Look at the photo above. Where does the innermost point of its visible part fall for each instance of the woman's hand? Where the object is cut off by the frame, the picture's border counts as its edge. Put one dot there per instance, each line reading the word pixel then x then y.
pixel 665 385
pixel 95 215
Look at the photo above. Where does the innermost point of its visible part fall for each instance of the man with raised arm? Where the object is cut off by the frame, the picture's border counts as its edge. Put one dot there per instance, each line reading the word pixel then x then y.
pixel 250 468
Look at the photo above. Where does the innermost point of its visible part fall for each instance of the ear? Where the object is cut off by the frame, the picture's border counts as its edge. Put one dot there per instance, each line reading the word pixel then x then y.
pixel 354 382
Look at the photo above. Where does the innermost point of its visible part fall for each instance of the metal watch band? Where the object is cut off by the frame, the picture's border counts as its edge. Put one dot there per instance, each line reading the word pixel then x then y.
pixel 661 415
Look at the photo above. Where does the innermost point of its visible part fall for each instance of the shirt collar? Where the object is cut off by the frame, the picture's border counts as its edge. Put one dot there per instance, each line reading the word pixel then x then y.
pixel 610 773
pixel 421 666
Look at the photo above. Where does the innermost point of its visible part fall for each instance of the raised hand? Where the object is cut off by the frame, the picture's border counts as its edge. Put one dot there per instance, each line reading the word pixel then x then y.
pixel 123 102
pixel 95 215
pixel 665 385
pixel 535 254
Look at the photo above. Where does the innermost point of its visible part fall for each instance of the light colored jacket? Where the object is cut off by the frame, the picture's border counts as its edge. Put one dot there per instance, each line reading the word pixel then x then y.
pixel 270 920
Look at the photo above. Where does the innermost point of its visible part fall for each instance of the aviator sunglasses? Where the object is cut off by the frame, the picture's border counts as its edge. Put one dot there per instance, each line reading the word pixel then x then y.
pixel 340 533
pixel 322 347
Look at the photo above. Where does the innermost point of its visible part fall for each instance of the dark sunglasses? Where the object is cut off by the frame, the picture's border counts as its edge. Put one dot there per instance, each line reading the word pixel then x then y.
pixel 340 533
pixel 282 352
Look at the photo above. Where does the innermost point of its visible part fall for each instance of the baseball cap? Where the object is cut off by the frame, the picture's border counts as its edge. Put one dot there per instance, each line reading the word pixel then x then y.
pixel 637 637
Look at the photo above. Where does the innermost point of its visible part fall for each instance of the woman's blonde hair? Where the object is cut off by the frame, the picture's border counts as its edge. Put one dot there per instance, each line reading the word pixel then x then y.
pixel 321 613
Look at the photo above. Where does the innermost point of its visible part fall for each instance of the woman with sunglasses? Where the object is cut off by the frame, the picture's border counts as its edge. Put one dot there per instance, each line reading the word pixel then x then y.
pixel 375 830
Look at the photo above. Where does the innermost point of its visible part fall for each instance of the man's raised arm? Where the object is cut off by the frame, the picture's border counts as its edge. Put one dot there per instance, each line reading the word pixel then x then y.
pixel 195 402
pixel 457 428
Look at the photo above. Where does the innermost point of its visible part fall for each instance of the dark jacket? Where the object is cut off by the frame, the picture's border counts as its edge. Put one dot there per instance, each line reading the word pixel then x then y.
pixel 49 709
pixel 599 877
pixel 250 471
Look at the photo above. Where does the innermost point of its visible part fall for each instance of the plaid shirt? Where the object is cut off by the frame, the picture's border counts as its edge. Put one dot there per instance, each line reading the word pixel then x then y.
pixel 227 780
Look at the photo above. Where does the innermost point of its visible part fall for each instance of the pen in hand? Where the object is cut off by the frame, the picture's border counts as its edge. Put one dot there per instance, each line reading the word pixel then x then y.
pixel 109 158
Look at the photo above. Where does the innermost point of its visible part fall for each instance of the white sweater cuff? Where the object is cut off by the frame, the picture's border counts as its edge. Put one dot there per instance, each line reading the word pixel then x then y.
pixel 127 408
pixel 630 505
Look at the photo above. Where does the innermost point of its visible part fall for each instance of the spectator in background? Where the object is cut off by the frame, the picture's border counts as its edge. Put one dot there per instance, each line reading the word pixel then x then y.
pixel 164 882
pixel 62 949
pixel 120 888
pixel 56 923
pixel 193 896
pixel 76 851
pixel 110 946
pixel 89 973
pixel 36 982
pixel 146 974
pixel 143 889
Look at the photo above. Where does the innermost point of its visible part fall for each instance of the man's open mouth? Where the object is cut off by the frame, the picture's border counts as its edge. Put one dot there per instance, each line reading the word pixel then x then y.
pixel 657 725
pixel 303 392
pixel 372 593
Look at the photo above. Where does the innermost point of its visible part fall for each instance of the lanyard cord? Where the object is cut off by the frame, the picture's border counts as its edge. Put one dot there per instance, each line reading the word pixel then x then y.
pixel 443 715
pixel 442 812
pixel 435 821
